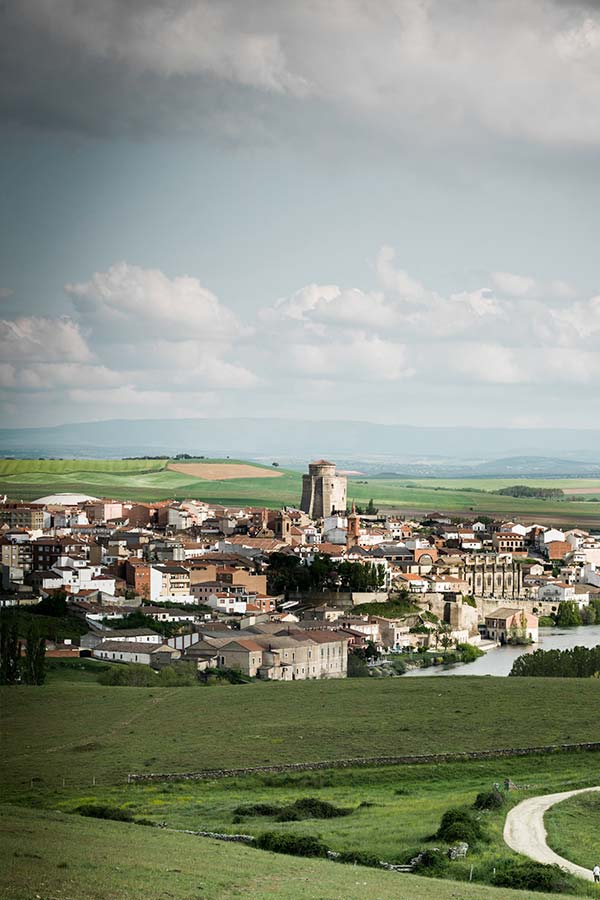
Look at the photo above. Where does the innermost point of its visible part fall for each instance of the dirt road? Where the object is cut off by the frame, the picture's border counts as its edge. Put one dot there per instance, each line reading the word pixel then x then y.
pixel 524 831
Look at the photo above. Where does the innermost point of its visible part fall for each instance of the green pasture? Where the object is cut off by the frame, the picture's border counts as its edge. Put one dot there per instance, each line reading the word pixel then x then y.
pixel 394 811
pixel 74 741
pixel 81 731
pixel 573 828
pixel 47 854
pixel 148 480
pixel 61 466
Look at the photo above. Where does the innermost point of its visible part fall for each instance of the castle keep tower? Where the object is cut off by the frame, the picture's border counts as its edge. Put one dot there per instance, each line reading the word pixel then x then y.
pixel 323 492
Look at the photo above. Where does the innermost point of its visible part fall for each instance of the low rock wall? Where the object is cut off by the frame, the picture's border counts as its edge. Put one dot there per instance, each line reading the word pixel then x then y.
pixel 360 762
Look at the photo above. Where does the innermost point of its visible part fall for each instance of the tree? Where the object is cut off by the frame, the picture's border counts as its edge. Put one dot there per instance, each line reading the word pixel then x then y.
pixel 371 508
pixel 34 663
pixel 357 666
pixel 54 605
pixel 568 614
pixel 10 650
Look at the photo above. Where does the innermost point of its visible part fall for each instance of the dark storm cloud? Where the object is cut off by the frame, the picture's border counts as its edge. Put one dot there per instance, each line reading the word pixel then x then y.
pixel 240 69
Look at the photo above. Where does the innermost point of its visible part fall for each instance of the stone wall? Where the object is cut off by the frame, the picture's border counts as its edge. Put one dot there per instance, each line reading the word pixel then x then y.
pixel 362 762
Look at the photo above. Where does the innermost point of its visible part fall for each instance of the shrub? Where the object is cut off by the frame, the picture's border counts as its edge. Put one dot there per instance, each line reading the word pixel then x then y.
pixel 312 808
pixel 469 653
pixel 359 857
pixel 129 675
pixel 533 876
pixel 459 825
pixel 430 862
pixel 100 811
pixel 293 844
pixel 258 809
pixel 489 800
pixel 305 808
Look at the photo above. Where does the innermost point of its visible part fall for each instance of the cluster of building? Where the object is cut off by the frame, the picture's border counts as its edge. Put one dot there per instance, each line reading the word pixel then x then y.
pixel 203 569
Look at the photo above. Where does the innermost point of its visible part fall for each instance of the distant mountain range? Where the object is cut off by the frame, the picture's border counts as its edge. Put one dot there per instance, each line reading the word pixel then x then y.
pixel 510 467
pixel 401 448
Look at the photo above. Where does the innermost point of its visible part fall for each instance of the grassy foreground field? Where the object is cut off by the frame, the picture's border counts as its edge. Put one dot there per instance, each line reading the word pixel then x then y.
pixel 83 731
pixel 75 741
pixel 394 811
pixel 52 855
pixel 148 480
pixel 573 828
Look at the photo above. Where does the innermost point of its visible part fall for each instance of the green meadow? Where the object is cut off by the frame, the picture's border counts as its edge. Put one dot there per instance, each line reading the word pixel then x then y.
pixel 53 856
pixel 573 828
pixel 392 813
pixel 79 730
pixel 74 741
pixel 148 480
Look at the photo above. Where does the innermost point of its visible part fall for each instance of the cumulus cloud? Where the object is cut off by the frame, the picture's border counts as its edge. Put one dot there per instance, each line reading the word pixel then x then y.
pixel 485 336
pixel 143 343
pixel 135 336
pixel 512 70
pixel 115 303
pixel 42 338
pixel 364 358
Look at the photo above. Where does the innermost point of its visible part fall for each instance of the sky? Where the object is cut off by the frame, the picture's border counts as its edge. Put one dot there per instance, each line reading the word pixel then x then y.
pixel 379 210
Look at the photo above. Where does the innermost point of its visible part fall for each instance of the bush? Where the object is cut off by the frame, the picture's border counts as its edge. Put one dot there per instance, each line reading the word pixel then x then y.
pixel 293 844
pixel 258 809
pixel 99 811
pixel 305 808
pixel 312 808
pixel 129 675
pixel 489 800
pixel 533 876
pixel 360 858
pixel 430 862
pixel 459 825
pixel 469 652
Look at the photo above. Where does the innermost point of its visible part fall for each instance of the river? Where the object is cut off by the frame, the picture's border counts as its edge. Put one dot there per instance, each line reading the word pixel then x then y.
pixel 499 660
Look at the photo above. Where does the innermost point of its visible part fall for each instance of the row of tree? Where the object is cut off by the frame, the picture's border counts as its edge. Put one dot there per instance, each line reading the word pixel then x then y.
pixel 579 662
pixel 287 573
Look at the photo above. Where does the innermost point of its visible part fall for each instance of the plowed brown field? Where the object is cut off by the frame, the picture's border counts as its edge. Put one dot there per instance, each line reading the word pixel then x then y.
pixel 222 471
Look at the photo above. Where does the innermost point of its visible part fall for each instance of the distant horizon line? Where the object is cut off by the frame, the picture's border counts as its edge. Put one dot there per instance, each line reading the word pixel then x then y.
pixel 515 428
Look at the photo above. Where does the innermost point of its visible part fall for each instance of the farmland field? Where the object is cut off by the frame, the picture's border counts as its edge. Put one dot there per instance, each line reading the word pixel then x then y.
pixel 212 471
pixel 219 481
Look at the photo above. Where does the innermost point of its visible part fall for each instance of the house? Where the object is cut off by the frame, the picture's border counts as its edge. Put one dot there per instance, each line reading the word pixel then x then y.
pixel 555 550
pixel 508 542
pixel 161 614
pixel 134 635
pixel 448 584
pixel 143 652
pixel 560 591
pixel 505 624
pixel 171 583
pixel 416 584
pixel 286 656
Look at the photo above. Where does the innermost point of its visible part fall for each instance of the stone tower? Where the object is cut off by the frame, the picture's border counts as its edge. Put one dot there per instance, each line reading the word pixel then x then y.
pixel 323 491
pixel 353 531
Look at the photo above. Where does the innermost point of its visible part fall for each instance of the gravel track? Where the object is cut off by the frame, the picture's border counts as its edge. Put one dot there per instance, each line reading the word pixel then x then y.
pixel 524 831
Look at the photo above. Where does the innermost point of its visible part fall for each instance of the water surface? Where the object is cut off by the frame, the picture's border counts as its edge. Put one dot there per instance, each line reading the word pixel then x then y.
pixel 499 660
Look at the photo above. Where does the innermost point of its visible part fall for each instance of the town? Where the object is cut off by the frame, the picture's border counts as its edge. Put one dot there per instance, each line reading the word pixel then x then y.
pixel 320 591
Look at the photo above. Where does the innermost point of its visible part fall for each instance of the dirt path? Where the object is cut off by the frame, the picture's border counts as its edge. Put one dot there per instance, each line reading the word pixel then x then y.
pixel 524 831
